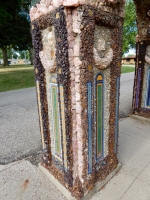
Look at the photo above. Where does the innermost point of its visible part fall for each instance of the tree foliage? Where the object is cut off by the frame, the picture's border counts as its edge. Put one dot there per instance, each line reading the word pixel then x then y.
pixel 14 26
pixel 130 27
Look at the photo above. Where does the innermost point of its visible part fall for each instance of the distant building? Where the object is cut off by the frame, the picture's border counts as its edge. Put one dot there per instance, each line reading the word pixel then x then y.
pixel 129 60
pixel 16 61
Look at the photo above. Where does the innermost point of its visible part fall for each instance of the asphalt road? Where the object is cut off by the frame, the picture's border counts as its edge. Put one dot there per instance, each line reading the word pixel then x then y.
pixel 19 123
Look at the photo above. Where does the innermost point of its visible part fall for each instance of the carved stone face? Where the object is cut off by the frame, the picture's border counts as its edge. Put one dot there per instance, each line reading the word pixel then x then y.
pixel 102 51
pixel 47 56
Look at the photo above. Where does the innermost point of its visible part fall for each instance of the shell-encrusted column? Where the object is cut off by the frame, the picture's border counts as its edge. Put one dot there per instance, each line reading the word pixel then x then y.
pixel 141 93
pixel 77 50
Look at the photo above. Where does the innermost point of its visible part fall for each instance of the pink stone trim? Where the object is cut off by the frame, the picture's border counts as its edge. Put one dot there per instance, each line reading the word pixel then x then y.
pixel 46 6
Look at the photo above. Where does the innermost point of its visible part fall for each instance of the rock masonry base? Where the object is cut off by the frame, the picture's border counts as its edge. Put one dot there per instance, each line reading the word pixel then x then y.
pixel 87 196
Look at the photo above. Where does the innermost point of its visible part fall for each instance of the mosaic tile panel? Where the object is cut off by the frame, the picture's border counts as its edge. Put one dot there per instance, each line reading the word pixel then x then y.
pixel 138 88
pixel 99 116
pixel 89 88
pixel 148 89
pixel 63 125
pixel 117 112
pixel 40 114
pixel 55 118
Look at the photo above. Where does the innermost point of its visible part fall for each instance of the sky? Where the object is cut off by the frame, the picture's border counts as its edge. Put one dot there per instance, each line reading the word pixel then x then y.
pixel 131 51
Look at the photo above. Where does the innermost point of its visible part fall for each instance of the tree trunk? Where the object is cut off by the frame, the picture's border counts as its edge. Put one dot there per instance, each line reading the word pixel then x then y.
pixel 31 55
pixel 5 59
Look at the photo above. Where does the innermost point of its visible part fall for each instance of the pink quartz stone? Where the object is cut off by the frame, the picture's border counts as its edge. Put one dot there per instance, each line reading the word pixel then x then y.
pixel 112 1
pixel 57 3
pixel 77 62
pixel 77 71
pixel 73 90
pixel 69 29
pixel 80 147
pixel 71 61
pixel 37 14
pixel 79 131
pixel 51 8
pixel 32 13
pixel 76 27
pixel 81 2
pixel 72 84
pixel 77 96
pixel 78 107
pixel 71 3
pixel 78 117
pixel 73 100
pixel 72 69
pixel 46 2
pixel 72 76
pixel 74 114
pixel 71 44
pixel 71 53
pixel 69 17
pixel 74 15
pixel 77 87
pixel 76 50
pixel 77 78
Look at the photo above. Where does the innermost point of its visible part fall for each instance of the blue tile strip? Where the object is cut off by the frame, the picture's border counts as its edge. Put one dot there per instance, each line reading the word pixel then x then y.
pixel 117 113
pixel 138 88
pixel 148 90
pixel 89 94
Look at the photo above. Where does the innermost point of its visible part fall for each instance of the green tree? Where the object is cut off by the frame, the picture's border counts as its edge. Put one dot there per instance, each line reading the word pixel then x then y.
pixel 14 27
pixel 130 27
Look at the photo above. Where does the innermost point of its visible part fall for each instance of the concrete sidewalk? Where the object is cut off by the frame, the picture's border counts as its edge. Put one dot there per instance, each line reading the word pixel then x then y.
pixel 24 181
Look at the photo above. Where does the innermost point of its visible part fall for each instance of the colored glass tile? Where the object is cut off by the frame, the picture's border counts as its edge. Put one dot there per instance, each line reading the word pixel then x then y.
pixel 148 90
pixel 99 116
pixel 117 112
pixel 89 88
pixel 55 121
pixel 63 125
pixel 138 88
pixel 40 113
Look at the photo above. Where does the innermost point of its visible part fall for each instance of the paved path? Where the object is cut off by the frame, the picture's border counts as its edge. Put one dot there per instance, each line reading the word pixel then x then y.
pixel 23 181
pixel 126 94
pixel 19 123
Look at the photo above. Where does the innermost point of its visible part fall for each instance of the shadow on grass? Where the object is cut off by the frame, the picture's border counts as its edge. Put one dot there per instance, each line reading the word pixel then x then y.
pixel 16 80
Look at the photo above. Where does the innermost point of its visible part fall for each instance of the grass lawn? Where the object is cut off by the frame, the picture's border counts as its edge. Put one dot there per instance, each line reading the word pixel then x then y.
pixel 13 80
pixel 14 66
pixel 126 69
pixel 13 77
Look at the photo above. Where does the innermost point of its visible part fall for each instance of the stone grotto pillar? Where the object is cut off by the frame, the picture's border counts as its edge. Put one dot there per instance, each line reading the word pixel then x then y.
pixel 141 93
pixel 77 58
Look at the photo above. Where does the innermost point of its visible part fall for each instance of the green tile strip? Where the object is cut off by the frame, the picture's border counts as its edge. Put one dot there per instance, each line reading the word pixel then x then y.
pixel 99 119
pixel 62 106
pixel 55 114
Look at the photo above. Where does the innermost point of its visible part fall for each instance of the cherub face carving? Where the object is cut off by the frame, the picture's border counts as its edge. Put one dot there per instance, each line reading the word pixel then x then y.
pixel 102 51
pixel 47 56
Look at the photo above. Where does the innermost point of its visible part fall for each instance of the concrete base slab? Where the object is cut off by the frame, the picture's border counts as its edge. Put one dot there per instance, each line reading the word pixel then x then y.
pixel 87 196
pixel 143 119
